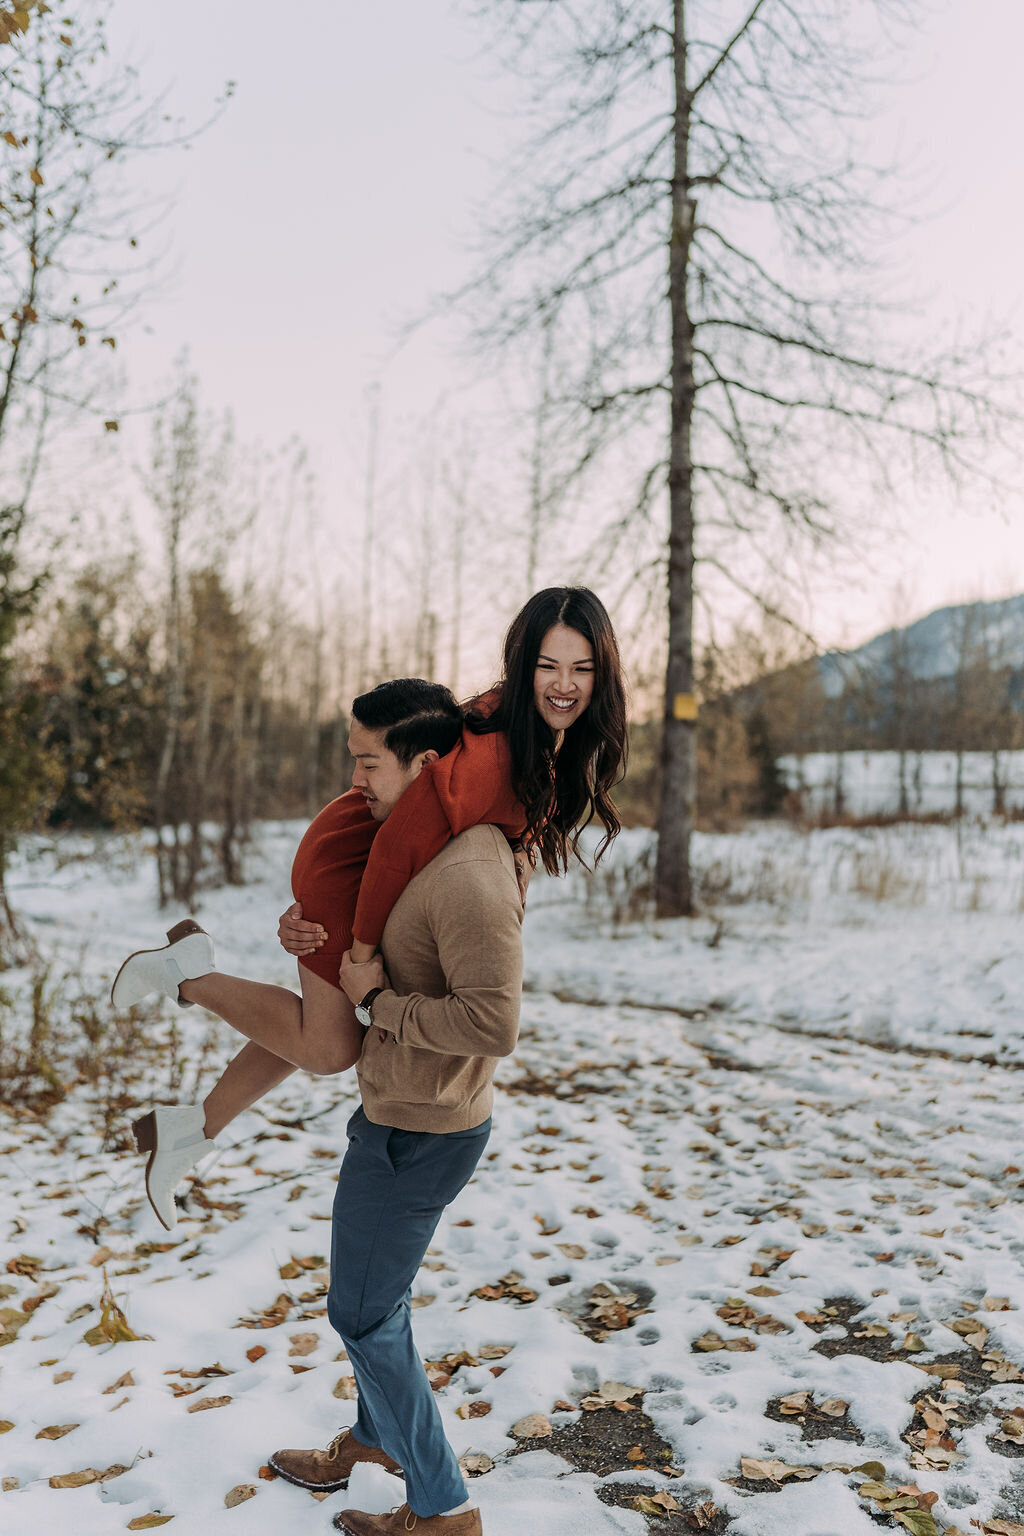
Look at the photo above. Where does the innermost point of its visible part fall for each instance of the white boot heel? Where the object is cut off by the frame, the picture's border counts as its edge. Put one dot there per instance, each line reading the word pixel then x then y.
pixel 174 1135
pixel 187 954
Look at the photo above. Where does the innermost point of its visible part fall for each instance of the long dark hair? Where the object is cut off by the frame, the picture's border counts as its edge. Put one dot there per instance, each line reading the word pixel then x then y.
pixel 561 791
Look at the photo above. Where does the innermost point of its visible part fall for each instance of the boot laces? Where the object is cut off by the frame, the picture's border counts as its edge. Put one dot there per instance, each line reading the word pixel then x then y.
pixel 411 1520
pixel 335 1446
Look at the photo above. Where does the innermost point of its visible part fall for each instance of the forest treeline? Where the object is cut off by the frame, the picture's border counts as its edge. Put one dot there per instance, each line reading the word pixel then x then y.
pixel 198 707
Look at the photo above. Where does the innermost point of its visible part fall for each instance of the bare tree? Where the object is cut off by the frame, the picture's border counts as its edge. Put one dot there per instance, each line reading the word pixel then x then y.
pixel 694 220
pixel 74 263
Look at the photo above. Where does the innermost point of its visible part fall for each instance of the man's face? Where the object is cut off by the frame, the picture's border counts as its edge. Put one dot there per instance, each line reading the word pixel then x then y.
pixel 380 778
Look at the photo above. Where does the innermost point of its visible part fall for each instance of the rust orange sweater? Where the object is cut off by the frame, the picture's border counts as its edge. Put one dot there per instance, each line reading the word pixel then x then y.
pixel 349 870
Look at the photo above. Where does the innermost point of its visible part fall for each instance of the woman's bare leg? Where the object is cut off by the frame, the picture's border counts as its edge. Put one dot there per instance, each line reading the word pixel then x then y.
pixel 318 1032
pixel 244 1081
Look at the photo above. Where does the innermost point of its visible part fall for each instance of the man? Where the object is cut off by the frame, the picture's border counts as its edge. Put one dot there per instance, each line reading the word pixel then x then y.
pixel 439 1008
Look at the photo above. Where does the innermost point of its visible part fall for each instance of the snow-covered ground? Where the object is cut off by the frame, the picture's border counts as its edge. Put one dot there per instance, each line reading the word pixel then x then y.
pixel 868 783
pixel 807 1098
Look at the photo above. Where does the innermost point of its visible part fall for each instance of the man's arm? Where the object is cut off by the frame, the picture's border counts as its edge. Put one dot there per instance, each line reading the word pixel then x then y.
pixel 476 917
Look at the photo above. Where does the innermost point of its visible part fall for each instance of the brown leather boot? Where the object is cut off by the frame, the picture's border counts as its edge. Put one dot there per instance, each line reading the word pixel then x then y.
pixel 324 1471
pixel 402 1522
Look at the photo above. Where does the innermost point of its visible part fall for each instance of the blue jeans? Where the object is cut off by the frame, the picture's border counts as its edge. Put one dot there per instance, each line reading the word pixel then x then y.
pixel 392 1189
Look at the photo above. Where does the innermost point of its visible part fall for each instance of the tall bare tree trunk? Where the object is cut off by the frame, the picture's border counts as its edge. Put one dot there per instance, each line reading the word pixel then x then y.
pixel 673 882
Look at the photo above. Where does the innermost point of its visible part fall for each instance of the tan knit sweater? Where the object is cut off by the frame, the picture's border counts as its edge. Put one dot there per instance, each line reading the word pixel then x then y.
pixel 454 957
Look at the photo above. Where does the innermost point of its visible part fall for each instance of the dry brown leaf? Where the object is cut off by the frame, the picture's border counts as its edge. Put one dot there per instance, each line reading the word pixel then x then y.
pixel 303 1343
pixel 535 1426
pixel 759 1471
pixel 127 1380
pixel 475 1409
pixel 996 1304
pixel 709 1341
pixel 148 1522
pixel 572 1250
pixel 495 1351
pixel 76 1479
pixel 476 1463
pixel 240 1495
pixel 346 1388
pixel 661 1503
pixel 55 1431
pixel 835 1407
pixel 207 1402
pixel 702 1516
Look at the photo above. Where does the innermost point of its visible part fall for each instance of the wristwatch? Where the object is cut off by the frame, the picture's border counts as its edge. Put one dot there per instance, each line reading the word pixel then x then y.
pixel 363 1013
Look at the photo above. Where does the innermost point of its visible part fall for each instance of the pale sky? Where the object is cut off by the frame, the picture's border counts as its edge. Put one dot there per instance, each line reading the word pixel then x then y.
pixel 336 194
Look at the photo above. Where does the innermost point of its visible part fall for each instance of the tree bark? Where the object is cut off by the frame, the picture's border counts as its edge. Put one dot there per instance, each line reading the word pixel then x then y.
pixel 673 880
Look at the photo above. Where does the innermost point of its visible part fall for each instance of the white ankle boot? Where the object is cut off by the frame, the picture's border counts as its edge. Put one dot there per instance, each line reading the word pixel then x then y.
pixel 174 1135
pixel 187 954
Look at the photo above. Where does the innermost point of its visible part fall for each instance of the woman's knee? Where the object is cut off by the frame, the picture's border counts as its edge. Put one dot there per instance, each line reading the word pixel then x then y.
pixel 331 1057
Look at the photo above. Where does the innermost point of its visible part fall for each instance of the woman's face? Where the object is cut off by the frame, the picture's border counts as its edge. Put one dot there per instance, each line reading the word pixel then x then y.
pixel 563 682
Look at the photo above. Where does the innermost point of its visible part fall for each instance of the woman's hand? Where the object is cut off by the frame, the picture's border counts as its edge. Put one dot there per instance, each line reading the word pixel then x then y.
pixel 297 936
pixel 361 954
pixel 357 978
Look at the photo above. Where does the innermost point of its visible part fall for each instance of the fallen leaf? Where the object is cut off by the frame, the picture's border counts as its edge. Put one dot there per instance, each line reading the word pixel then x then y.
pixel 656 1504
pixel 996 1303
pixel 708 1342
pixel 495 1351
pixel 303 1343
pixel 476 1463
pixel 207 1402
pixel 255 1353
pixel 148 1522
pixel 702 1516
pixel 794 1402
pixel 267 1474
pixel 55 1431
pixel 835 1407
pixel 758 1471
pixel 476 1409
pixel 572 1250
pixel 6 1425
pixel 346 1388
pixel 535 1426
pixel 127 1380
pixel 240 1495
pixel 75 1479
pixel 112 1327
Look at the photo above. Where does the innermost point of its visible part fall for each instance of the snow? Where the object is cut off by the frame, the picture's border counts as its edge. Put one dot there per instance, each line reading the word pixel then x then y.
pixel 824 1063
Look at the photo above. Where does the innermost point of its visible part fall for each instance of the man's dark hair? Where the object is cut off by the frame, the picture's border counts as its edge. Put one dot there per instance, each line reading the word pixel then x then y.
pixel 418 716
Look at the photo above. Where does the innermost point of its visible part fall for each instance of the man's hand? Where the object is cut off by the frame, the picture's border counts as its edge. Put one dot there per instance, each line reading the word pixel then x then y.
pixel 358 979
pixel 524 869
pixel 297 936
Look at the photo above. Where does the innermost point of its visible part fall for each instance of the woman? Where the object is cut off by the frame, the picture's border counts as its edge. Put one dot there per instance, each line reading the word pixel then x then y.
pixel 538 757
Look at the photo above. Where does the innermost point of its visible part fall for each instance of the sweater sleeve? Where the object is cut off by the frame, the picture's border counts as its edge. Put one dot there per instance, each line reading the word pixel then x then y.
pixel 479 1014
pixel 471 785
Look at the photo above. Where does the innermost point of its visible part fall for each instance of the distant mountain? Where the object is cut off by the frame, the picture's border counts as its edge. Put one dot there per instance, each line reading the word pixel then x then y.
pixel 934 647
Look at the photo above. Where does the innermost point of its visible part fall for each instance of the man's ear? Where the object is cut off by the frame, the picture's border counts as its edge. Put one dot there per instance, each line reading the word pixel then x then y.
pixel 430 756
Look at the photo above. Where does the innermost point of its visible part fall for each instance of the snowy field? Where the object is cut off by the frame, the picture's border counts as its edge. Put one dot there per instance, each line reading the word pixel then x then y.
pixel 868 783
pixel 752 1200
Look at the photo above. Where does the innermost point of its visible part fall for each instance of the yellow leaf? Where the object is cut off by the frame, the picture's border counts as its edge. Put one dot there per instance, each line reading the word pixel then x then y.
pixel 35 177
pixel 6 1425
pixel 148 1522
